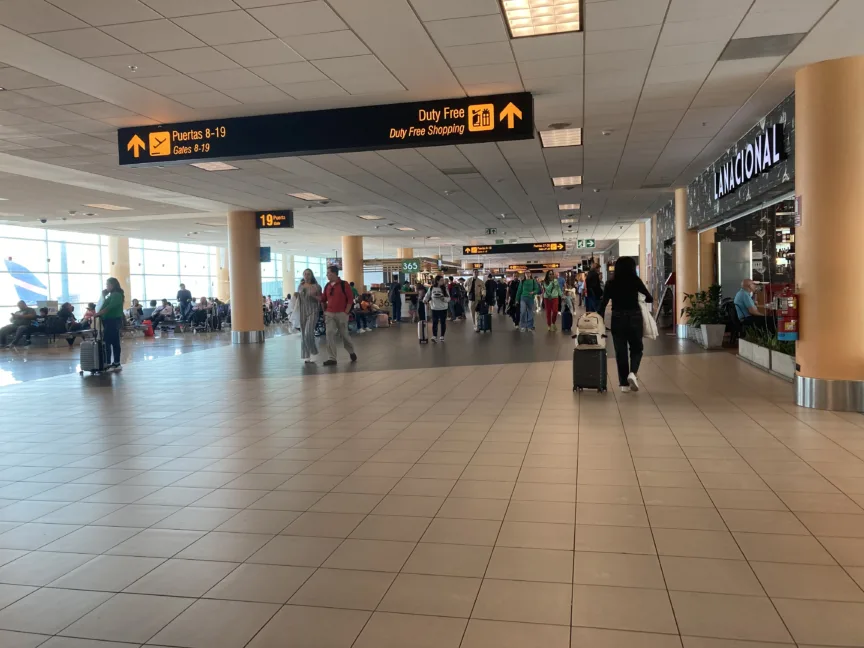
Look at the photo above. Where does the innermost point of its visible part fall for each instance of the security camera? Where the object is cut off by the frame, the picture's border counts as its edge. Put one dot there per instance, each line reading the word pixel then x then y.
pixel 43 220
pixel 569 227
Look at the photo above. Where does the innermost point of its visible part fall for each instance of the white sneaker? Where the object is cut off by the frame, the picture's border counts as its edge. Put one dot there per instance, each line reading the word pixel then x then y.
pixel 522 329
pixel 634 384
pixel 441 339
pixel 625 390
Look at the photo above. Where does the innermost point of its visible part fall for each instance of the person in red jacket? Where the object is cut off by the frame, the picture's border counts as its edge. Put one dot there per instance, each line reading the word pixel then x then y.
pixel 338 301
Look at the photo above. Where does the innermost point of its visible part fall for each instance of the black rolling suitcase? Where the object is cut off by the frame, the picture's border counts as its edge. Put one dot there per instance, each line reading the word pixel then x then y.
pixel 589 369
pixel 421 332
pixel 566 321
pixel 484 323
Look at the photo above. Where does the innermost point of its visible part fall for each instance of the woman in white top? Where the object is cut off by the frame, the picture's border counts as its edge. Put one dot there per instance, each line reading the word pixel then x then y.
pixel 438 299
pixel 309 306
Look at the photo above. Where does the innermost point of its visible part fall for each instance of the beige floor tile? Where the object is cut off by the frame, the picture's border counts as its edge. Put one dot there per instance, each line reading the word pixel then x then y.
pixel 607 477
pixel 91 539
pixel 228 547
pixel 747 499
pixel 283 500
pixel 662 496
pixel 319 483
pixel 107 573
pixel 346 503
pixel 820 503
pixel 391 527
pixel 597 638
pixel 423 487
pixel 33 535
pixel 622 608
pixel 724 616
pixel 473 508
pixel 696 544
pixel 230 498
pixel 298 551
pixel 536 535
pixel 23 640
pixel 310 627
pixel 784 548
pixel 849 552
pixel 544 492
pixel 764 522
pixel 546 565
pixel 41 568
pixel 448 560
pixel 195 519
pixel 156 543
pixel 267 522
pixel 722 481
pixel 552 512
pixel 668 479
pixel 483 489
pixel 466 532
pixel 530 602
pixel 636 540
pixel 502 634
pixel 367 485
pixel 611 514
pixel 823 623
pixel 705 642
pixel 66 606
pixel 599 494
pixel 817 582
pixel 324 525
pixel 710 575
pixel 343 588
pixel 370 555
pixel 133 618
pixel 623 570
pixel 826 524
pixel 409 505
pixel 449 596
pixel 685 517
pixel 261 583
pixel 216 624
pixel 11 593
pixel 182 578
pixel 386 630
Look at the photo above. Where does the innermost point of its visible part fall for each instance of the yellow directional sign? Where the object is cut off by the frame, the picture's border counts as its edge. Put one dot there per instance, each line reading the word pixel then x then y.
pixel 137 144
pixel 481 117
pixel 551 246
pixel 160 143
pixel 509 113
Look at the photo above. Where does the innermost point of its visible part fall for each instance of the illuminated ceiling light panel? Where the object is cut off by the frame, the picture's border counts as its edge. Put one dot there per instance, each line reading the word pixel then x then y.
pixel 561 137
pixel 109 207
pixel 214 166
pixel 308 196
pixel 541 17
pixel 370 217
pixel 569 206
pixel 567 181
pixel 405 229
pixel 568 221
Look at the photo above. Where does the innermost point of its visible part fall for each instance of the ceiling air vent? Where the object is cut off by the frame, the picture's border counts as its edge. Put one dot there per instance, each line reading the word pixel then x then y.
pixel 760 46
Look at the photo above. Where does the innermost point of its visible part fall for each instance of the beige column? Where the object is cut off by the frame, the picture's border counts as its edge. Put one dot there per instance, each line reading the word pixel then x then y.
pixel 706 260
pixel 118 263
pixel 223 281
pixel 352 261
pixel 288 285
pixel 247 317
pixel 654 289
pixel 686 259
pixel 829 163
pixel 643 261
pixel 405 253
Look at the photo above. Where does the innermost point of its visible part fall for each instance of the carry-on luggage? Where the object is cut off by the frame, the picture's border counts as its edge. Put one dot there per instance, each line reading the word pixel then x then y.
pixel 590 332
pixel 93 351
pixel 421 332
pixel 382 320
pixel 484 323
pixel 589 369
pixel 566 320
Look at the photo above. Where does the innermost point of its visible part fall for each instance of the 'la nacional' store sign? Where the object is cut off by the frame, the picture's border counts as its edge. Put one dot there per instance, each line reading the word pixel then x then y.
pixel 755 157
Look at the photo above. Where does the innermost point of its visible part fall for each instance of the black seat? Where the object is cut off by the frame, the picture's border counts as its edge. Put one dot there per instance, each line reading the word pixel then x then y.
pixel 733 324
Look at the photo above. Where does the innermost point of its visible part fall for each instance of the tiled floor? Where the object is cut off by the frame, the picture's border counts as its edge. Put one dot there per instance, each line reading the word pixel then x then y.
pixel 225 501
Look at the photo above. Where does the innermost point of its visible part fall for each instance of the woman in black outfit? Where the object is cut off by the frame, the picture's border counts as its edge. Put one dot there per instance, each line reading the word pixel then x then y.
pixel 623 291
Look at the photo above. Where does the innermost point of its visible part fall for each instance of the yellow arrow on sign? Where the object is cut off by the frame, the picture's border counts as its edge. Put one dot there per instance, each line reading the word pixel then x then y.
pixel 137 144
pixel 510 112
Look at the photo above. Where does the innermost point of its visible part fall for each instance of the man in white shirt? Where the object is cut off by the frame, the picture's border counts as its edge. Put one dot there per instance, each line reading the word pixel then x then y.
pixel 476 290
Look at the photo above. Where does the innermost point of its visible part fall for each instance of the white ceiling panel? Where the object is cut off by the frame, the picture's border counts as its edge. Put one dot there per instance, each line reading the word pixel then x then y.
pixel 106 12
pixel 153 36
pixel 543 68
pixel 679 73
pixel 468 31
pixel 498 73
pixel 482 54
pixel 174 8
pixel 698 31
pixel 330 45
pixel 313 89
pixel 691 53
pixel 619 40
pixel 15 79
pixel 131 66
pixel 58 95
pixel 84 43
pixel 443 9
pixel 33 16
pixel 265 52
pixel 695 10
pixel 298 19
pixel 224 28
pixel 174 84
pixel 208 99
pixel 199 59
pixel 548 47
pixel 230 79
pixel 769 17
pixel 616 14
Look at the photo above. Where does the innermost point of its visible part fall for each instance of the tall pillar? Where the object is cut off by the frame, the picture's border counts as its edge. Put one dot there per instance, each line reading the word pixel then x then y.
pixel 288 285
pixel 352 261
pixel 643 260
pixel 118 261
pixel 686 259
pixel 405 253
pixel 223 280
pixel 829 163
pixel 244 263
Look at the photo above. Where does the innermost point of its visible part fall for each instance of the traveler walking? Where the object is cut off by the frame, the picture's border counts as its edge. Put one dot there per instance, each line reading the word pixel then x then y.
pixel 338 301
pixel 308 309
pixel 551 299
pixel 455 304
pixel 513 300
pixel 438 299
pixel 491 292
pixel 112 321
pixel 580 286
pixel 394 294
pixel 476 291
pixel 501 294
pixel 593 289
pixel 528 290
pixel 623 291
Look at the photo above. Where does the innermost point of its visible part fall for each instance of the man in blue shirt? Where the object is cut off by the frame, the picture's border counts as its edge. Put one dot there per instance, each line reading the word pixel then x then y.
pixel 748 313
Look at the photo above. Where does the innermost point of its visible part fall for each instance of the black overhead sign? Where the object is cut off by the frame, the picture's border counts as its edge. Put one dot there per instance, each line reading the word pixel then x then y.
pixel 515 248
pixel 274 219
pixel 408 125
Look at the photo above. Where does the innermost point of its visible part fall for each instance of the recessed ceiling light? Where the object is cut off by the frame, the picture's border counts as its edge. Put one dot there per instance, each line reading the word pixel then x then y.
pixel 569 207
pixel 214 166
pixel 370 217
pixel 308 196
pixel 567 221
pixel 4 199
pixel 538 17
pixel 433 238
pixel 405 229
pixel 567 181
pixel 109 207
pixel 561 137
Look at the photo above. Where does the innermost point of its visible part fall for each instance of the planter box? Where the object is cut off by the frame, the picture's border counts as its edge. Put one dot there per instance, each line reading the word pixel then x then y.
pixel 783 365
pixel 754 354
pixel 712 335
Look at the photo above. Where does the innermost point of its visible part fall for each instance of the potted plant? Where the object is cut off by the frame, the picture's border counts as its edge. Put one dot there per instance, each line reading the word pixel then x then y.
pixel 704 315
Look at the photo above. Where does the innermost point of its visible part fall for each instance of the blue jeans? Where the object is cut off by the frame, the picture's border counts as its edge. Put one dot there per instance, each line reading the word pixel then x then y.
pixel 526 318
pixel 111 332
pixel 397 309
pixel 591 304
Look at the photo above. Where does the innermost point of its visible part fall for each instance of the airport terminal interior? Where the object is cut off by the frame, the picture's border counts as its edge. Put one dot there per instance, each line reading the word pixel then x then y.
pixel 431 324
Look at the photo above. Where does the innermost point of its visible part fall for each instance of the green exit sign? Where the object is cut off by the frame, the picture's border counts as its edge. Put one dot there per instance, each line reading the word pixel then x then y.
pixel 586 243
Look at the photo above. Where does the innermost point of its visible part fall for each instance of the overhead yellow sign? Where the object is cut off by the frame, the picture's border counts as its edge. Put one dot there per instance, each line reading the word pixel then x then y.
pixel 515 248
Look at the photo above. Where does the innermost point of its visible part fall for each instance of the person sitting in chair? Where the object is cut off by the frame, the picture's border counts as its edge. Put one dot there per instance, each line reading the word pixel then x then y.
pixel 162 314
pixel 747 311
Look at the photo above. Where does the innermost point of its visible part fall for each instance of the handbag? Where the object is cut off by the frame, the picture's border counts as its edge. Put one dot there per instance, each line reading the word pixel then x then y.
pixel 649 326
